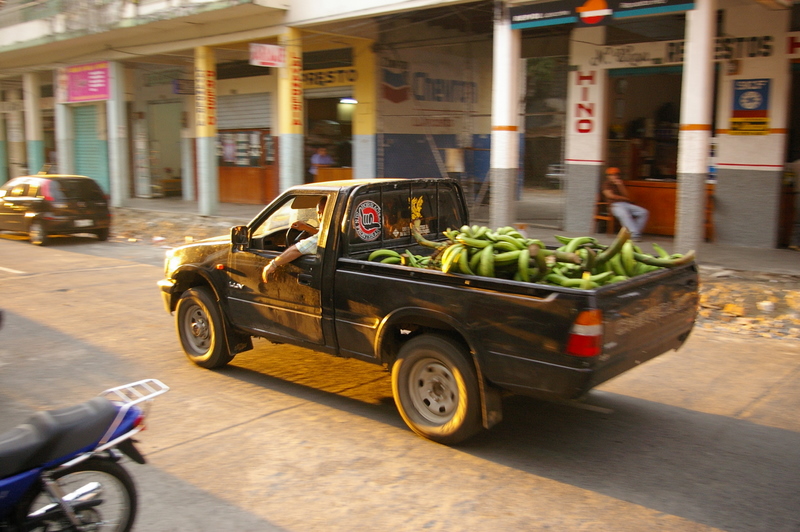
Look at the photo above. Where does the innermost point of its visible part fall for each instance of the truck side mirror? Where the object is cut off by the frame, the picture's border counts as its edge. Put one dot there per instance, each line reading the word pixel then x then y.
pixel 240 237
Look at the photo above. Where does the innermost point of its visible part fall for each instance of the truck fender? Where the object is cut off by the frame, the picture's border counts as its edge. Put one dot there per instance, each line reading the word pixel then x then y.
pixel 237 342
pixel 181 284
pixel 491 399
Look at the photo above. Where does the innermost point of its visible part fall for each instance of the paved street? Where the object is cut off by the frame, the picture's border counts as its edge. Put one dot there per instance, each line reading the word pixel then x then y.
pixel 285 439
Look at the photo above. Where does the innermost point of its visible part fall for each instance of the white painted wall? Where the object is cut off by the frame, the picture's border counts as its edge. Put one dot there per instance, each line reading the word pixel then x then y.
pixel 766 151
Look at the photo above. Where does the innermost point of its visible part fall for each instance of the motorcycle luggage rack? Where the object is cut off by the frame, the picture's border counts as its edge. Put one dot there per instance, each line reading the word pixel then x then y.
pixel 127 396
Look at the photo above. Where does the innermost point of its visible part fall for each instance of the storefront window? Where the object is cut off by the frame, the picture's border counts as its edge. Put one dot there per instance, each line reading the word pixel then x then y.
pixel 244 148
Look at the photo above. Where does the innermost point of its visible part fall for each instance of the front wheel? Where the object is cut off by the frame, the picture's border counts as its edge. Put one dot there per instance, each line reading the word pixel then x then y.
pixel 436 390
pixel 102 495
pixel 36 233
pixel 200 329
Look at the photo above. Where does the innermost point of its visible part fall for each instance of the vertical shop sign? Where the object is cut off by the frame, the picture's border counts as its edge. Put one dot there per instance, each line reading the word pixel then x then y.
pixel 750 113
pixel 585 108
pixel 87 83
pixel 205 97
pixel 296 70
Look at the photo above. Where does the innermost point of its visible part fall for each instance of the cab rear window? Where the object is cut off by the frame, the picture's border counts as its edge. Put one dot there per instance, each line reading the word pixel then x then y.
pixel 381 216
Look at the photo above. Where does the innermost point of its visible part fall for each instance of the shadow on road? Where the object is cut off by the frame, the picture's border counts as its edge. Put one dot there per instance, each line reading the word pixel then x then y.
pixel 715 470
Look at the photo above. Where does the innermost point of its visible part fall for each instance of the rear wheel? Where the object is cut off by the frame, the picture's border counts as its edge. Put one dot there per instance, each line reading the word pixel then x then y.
pixel 36 233
pixel 436 390
pixel 200 329
pixel 103 498
pixel 102 234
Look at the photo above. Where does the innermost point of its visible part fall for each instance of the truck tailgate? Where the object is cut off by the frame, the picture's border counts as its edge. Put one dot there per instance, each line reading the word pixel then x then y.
pixel 645 317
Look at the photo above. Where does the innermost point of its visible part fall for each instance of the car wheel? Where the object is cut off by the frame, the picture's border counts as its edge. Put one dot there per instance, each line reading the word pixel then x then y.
pixel 435 388
pixel 36 233
pixel 200 329
pixel 102 234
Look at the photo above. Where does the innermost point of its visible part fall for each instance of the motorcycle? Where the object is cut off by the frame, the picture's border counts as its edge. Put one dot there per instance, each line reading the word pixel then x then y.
pixel 60 470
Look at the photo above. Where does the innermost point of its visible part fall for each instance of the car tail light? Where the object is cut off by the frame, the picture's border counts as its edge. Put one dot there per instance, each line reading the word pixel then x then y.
pixel 46 193
pixel 586 336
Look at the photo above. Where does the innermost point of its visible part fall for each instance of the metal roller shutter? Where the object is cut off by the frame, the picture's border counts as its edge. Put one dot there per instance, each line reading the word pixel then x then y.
pixel 244 111
pixel 91 153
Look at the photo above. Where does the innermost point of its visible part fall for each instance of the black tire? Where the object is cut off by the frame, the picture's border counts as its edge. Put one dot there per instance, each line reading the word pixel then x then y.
pixel 36 233
pixel 200 329
pixel 435 388
pixel 112 510
pixel 102 234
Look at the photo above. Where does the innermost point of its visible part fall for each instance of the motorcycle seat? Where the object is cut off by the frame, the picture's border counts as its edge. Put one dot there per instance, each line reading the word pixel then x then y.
pixel 52 434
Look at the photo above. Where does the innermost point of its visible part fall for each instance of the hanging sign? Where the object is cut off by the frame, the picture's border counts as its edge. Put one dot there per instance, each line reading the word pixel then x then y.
pixel 267 55
pixel 87 83
pixel 585 13
pixel 750 114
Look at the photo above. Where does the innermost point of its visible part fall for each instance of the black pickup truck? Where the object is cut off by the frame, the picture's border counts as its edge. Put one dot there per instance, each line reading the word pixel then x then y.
pixel 454 343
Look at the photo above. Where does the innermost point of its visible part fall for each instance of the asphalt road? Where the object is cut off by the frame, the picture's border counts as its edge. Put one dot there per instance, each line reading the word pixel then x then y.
pixel 286 439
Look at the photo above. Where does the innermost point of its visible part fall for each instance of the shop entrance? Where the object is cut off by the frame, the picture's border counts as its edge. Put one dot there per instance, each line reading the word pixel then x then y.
pixel 329 118
pixel 545 125
pixel 789 229
pixel 644 120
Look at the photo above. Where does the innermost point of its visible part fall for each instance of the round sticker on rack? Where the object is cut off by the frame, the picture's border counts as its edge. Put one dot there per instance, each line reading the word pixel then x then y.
pixel 367 220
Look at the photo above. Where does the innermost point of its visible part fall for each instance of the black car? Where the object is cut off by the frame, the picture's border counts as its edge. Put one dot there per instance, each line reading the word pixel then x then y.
pixel 44 204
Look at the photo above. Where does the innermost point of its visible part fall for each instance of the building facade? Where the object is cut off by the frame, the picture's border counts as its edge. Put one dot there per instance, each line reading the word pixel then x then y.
pixel 226 101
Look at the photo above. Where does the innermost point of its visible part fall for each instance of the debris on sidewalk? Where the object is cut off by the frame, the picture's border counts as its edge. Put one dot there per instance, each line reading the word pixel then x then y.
pixel 748 303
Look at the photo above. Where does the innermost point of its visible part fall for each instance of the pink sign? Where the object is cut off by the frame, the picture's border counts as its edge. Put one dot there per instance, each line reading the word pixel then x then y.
pixel 267 55
pixel 87 83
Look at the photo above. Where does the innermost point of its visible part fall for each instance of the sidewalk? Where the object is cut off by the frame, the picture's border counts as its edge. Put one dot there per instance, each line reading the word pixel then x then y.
pixel 743 291
pixel 540 219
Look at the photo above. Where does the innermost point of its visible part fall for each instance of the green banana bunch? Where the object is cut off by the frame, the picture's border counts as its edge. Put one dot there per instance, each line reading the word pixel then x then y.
pixel 504 253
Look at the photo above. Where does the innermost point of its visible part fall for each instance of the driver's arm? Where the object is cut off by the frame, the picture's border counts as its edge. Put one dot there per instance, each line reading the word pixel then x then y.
pixel 286 257
pixel 306 246
pixel 306 227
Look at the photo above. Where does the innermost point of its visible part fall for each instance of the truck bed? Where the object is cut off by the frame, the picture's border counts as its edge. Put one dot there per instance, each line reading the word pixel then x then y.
pixel 518 331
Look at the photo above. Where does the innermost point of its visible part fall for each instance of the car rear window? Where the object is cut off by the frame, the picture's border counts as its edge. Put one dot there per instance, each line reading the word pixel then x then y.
pixel 85 189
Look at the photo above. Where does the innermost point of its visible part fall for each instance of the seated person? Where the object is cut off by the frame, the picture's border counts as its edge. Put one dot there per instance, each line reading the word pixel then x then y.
pixel 631 216
pixel 307 246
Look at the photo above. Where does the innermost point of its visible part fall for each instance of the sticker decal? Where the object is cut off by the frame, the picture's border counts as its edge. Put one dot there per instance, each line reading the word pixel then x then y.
pixel 416 207
pixel 367 221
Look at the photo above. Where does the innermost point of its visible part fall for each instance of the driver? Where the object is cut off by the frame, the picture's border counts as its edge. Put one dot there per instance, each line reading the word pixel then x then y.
pixel 307 246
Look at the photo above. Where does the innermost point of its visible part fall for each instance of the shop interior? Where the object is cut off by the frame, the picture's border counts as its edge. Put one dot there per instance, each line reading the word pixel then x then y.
pixel 330 125
pixel 644 111
pixel 644 119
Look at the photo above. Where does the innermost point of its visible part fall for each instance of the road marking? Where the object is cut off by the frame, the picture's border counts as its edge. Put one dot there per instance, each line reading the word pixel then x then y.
pixel 9 270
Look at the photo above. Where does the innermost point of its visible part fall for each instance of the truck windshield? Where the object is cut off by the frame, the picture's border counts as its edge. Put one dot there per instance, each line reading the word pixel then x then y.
pixel 303 208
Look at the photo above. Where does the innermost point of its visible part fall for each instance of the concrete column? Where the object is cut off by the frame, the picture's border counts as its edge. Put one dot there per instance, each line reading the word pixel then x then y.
pixel 34 134
pixel 17 160
pixel 586 130
pixel 365 119
pixel 187 153
pixel 205 83
pixel 65 130
pixel 3 150
pixel 504 157
pixel 119 160
pixel 290 109
pixel 695 129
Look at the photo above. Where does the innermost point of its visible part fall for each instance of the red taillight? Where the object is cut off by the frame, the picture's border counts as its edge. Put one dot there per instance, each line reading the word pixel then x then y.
pixel 46 190
pixel 586 336
pixel 140 421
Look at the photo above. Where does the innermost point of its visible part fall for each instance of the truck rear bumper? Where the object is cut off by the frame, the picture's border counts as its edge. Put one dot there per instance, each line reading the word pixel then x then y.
pixel 535 378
